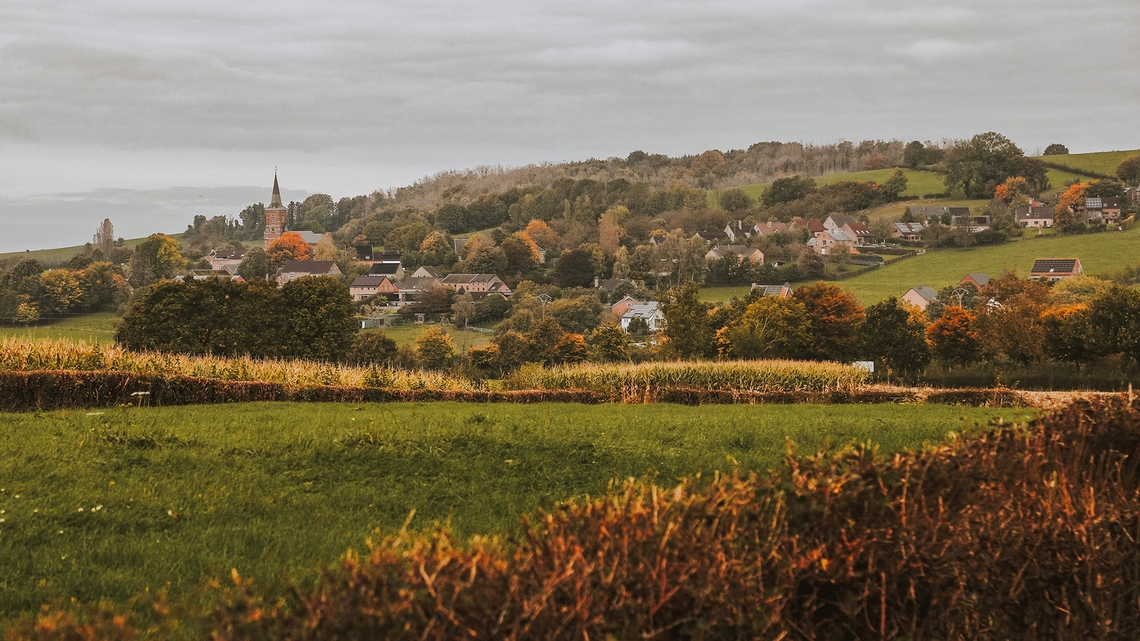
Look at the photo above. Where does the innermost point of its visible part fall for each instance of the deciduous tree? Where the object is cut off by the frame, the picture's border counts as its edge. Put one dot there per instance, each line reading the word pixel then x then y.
pixel 953 338
pixel 434 348
pixel 771 327
pixel 286 247
pixel 1129 170
pixel 893 338
pixel 687 333
pixel 156 258
pixel 835 316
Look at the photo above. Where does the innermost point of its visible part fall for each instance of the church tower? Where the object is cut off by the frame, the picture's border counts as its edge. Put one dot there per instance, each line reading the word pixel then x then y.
pixel 275 214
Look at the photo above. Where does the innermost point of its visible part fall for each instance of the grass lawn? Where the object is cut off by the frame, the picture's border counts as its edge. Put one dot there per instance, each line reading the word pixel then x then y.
pixel 1101 162
pixel 92 328
pixel 462 339
pixel 1099 254
pixel 61 255
pixel 106 504
pixel 724 294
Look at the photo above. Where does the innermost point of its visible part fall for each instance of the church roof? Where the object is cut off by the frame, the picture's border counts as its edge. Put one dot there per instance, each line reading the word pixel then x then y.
pixel 276 202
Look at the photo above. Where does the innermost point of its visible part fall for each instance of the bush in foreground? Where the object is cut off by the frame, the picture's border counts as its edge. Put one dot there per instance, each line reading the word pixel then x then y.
pixel 1024 532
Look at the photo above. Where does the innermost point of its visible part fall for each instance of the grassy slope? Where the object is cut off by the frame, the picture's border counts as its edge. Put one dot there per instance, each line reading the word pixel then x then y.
pixel 92 328
pixel 188 493
pixel 64 254
pixel 1099 253
pixel 1101 162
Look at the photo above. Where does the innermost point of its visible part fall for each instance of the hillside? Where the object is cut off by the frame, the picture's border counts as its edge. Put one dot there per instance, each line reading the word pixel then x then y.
pixel 919 183
pixel 60 255
pixel 1099 253
pixel 1101 162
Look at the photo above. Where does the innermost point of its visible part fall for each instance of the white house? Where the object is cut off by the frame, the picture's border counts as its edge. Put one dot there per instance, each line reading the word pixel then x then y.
pixel 649 312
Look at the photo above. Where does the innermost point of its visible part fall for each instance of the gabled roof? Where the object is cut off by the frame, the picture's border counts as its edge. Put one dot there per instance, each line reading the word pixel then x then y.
pixel 369 281
pixel 310 237
pixel 428 270
pixel 1025 212
pixel 909 228
pixel 839 235
pixel 770 227
pixel 463 279
pixel 738 250
pixel 1055 266
pixel 388 269
pixel 228 254
pixel 981 279
pixel 839 220
pixel 780 291
pixel 860 230
pixel 364 252
pixel 712 234
pixel 323 267
pixel 958 211
pixel 418 283
pixel 927 293
pixel 642 310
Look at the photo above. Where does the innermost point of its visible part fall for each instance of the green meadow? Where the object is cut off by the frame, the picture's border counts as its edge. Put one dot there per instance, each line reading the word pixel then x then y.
pixel 98 327
pixel 1101 162
pixel 1099 253
pixel 116 502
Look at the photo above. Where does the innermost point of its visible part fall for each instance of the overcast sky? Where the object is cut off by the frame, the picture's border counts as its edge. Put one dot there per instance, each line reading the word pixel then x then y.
pixel 134 108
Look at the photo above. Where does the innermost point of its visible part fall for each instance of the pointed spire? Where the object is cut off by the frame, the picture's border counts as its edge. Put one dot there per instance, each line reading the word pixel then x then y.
pixel 276 202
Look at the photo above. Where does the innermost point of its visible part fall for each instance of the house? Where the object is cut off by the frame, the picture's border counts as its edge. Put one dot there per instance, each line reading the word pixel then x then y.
pixel 813 225
pixel 395 271
pixel 364 253
pixel 410 288
pixel 933 214
pixel 737 231
pixel 656 239
pixel 779 291
pixel 426 272
pixel 1103 210
pixel 838 221
pixel 920 296
pixel 622 306
pixel 977 280
pixel 1054 269
pixel 907 231
pixel 203 274
pixel 364 287
pixel 965 220
pixel 227 259
pixel 478 285
pixel 311 237
pixel 294 269
pixel 1034 216
pixel 649 312
pixel 711 236
pixel 859 232
pixel 826 242
pixel 720 251
pixel 769 228
pixel 609 285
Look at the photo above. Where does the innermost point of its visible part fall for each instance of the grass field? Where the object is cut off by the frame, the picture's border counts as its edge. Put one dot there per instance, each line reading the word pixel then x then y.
pixel 106 504
pixel 1099 254
pixel 61 255
pixel 1101 162
pixel 462 339
pixel 724 294
pixel 91 328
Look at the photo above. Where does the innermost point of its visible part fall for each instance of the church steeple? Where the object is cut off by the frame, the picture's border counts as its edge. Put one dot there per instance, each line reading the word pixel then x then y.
pixel 276 202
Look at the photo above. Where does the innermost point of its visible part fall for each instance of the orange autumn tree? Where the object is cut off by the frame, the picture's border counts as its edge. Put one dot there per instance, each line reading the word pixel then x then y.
pixel 835 316
pixel 1014 191
pixel 953 338
pixel 288 246
pixel 1070 202
pixel 542 235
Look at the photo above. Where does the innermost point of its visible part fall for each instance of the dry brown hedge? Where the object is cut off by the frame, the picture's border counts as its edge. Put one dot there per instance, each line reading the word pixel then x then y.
pixel 1026 532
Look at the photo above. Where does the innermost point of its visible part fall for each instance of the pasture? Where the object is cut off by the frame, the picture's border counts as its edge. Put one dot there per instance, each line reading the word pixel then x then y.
pixel 1099 253
pixel 108 504
pixel 90 328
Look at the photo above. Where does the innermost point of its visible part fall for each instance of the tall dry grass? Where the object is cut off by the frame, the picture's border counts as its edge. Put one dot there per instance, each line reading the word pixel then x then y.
pixel 646 381
pixel 17 354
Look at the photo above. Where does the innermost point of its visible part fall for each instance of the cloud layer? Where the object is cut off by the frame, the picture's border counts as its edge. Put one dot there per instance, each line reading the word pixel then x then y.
pixel 353 96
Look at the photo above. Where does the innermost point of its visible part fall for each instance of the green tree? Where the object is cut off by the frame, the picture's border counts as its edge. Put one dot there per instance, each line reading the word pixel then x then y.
pixel 371 347
pixel 1129 170
pixel 771 327
pixel 786 190
pixel 977 166
pixel 434 348
pixel 687 332
pixel 894 186
pixel 1114 319
pixel 254 265
pixel 319 313
pixel 608 344
pixel 62 293
pixel 521 255
pixel 156 258
pixel 575 315
pixel 486 260
pixel 574 268
pixel 1056 149
pixel 1068 334
pixel 452 217
pixel 894 339
pixel 736 199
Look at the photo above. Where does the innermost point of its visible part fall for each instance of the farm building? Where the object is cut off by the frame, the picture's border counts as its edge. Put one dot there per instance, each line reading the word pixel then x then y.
pixel 919 296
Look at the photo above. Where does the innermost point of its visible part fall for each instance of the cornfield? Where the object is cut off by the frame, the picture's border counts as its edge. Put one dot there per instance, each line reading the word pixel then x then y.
pixel 645 382
pixel 23 355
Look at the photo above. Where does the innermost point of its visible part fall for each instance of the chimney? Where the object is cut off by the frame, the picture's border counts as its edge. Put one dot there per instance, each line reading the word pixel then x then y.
pixel 597 282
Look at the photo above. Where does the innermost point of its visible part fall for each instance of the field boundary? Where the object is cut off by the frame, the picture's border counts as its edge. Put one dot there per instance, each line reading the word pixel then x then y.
pixel 64 389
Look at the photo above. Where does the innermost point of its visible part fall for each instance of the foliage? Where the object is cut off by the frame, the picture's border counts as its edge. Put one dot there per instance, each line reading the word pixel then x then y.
pixel 1129 170
pixel 1009 324
pixel 1068 335
pixel 687 333
pixel 736 200
pixel 771 327
pixel 574 268
pixel 977 166
pixel 1055 149
pixel 953 338
pixel 836 316
pixel 371 347
pixel 434 348
pixel 893 338
pixel 154 259
pixel 255 264
pixel 786 190
pixel 608 343
pixel 286 247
